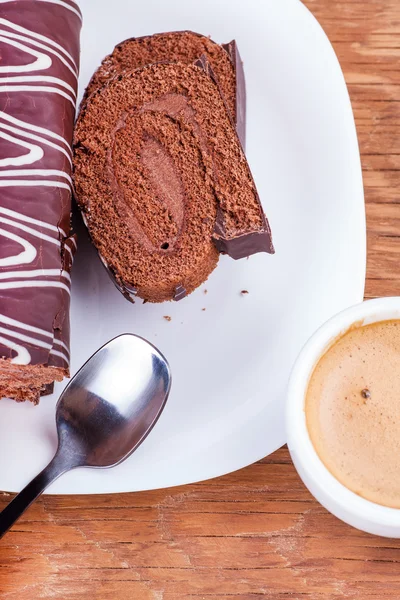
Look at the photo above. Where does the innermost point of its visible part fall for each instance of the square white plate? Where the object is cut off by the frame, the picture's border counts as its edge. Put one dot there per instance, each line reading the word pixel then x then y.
pixel 231 362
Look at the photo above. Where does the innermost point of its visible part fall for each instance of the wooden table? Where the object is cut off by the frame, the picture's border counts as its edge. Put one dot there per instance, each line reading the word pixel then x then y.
pixel 257 532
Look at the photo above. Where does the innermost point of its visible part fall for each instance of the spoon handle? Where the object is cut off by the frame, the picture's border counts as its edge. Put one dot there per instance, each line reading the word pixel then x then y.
pixel 24 499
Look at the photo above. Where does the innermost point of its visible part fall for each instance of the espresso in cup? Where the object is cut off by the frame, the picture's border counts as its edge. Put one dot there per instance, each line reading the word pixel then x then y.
pixel 353 411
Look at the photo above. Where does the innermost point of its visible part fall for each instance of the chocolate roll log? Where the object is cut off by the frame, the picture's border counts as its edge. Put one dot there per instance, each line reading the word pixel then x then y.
pixel 39 62
pixel 185 47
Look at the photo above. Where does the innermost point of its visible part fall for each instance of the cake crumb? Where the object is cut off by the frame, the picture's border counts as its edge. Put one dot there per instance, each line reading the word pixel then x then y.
pixel 167 318
pixel 203 309
pixel 243 292
pixel 205 291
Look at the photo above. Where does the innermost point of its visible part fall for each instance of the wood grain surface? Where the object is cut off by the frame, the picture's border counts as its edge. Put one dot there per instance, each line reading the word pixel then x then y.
pixel 257 532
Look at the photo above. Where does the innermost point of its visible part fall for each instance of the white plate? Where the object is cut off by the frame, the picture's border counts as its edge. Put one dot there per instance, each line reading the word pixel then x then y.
pixel 231 362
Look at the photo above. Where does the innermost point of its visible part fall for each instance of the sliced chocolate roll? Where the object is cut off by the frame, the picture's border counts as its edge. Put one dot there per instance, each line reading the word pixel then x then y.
pixel 163 182
pixel 39 57
pixel 185 47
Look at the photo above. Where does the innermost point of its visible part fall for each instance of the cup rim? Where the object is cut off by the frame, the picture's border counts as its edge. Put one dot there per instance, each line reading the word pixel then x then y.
pixel 298 438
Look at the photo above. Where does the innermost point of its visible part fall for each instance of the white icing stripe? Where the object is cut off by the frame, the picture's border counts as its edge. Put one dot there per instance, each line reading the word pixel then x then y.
pixel 43 61
pixel 23 357
pixel 34 232
pixel 37 172
pixel 27 256
pixel 14 323
pixel 61 343
pixel 25 338
pixel 38 79
pixel 35 273
pixel 35 152
pixel 61 354
pixel 34 341
pixel 6 89
pixel 26 284
pixel 35 128
pixel 34 183
pixel 21 217
pixel 65 5
pixel 31 42
pixel 37 36
pixel 35 137
pixel 70 251
pixel 73 241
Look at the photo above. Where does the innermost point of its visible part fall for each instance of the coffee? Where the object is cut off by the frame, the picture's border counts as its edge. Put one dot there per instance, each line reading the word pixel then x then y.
pixel 353 411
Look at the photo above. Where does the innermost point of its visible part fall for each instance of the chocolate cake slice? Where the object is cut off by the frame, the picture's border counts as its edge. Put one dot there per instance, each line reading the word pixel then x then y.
pixel 39 60
pixel 186 47
pixel 163 182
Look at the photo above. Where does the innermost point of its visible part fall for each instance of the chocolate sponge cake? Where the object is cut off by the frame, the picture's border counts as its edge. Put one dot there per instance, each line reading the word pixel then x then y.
pixel 163 182
pixel 186 47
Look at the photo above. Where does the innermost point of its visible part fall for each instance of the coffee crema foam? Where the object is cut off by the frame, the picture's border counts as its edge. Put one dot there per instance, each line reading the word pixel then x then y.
pixel 353 411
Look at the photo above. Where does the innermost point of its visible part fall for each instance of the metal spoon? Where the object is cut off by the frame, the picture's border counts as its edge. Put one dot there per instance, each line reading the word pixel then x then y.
pixel 103 415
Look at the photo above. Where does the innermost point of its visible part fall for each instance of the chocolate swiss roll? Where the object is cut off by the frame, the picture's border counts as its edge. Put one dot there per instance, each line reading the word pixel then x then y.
pixel 39 62
pixel 163 182
pixel 185 47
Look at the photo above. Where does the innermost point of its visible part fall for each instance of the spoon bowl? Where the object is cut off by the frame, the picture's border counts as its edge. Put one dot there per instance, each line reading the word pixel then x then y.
pixel 103 415
pixel 113 402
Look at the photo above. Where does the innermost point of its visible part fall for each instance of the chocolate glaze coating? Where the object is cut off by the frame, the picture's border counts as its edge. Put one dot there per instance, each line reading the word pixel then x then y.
pixel 244 243
pixel 180 292
pixel 37 110
pixel 233 51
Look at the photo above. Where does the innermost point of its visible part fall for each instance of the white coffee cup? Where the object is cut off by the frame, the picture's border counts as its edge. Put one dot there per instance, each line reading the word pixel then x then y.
pixel 333 495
